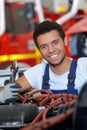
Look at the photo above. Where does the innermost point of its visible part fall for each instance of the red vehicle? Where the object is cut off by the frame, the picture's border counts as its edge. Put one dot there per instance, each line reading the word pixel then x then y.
pixel 77 39
pixel 16 42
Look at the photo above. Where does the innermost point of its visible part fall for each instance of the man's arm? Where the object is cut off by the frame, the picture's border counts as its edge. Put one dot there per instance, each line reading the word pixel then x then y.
pixel 25 85
pixel 1 88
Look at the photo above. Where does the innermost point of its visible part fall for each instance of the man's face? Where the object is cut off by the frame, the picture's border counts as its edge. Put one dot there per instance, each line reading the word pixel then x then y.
pixel 52 47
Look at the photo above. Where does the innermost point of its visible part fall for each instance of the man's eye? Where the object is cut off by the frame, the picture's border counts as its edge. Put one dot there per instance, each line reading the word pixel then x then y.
pixel 43 47
pixel 55 42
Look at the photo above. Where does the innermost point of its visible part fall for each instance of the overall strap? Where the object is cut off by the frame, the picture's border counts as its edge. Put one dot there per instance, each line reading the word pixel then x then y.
pixel 45 83
pixel 71 77
pixel 71 80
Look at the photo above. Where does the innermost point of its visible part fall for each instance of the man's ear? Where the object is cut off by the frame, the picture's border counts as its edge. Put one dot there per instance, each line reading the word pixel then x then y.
pixel 65 41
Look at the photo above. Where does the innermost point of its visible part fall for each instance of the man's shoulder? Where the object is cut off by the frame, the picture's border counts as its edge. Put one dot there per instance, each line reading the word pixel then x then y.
pixel 39 67
pixel 82 59
pixel 82 63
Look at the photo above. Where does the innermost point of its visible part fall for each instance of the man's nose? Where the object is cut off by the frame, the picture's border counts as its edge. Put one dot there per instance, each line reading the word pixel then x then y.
pixel 50 48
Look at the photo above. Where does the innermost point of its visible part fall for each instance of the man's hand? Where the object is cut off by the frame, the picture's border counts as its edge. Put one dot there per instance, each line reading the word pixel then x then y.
pixel 9 93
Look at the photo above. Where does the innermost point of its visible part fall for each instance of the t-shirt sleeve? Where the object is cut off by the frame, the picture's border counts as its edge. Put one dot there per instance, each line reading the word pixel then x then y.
pixel 34 76
pixel 83 65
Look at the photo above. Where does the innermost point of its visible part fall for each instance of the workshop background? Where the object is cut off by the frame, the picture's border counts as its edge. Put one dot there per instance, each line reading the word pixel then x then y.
pixel 18 19
pixel 18 52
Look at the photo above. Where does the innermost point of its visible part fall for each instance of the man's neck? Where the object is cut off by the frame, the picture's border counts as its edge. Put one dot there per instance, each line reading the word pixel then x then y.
pixel 62 68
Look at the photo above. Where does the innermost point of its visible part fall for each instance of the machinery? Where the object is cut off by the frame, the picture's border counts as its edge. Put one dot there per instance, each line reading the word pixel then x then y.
pixel 30 108
pixel 17 44
pixel 74 24
pixel 15 115
pixel 77 39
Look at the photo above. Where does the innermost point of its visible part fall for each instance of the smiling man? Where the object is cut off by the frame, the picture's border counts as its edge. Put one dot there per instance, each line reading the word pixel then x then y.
pixel 59 73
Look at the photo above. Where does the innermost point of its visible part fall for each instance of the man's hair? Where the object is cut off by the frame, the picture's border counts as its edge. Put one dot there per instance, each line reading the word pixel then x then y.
pixel 47 26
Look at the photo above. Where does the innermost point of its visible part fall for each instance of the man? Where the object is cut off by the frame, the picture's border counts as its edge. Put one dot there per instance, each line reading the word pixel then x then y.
pixel 57 73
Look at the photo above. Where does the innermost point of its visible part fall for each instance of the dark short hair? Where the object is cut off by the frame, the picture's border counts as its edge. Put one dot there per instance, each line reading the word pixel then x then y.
pixel 47 26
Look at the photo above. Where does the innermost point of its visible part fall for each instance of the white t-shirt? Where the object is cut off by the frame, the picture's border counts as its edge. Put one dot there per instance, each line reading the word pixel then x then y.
pixel 57 82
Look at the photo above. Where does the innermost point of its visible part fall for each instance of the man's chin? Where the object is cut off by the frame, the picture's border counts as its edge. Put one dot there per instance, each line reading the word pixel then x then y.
pixel 53 64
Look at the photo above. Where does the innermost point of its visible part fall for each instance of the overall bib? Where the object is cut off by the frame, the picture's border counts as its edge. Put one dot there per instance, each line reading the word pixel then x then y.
pixel 71 80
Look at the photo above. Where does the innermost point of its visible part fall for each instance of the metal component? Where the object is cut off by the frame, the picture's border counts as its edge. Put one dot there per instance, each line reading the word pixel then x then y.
pixel 14 70
pixel 15 116
pixel 70 14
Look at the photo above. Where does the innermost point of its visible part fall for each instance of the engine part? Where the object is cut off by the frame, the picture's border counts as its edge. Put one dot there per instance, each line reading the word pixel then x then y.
pixel 17 115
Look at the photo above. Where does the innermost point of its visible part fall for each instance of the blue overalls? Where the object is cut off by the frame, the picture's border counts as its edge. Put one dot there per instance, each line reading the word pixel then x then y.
pixel 71 80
